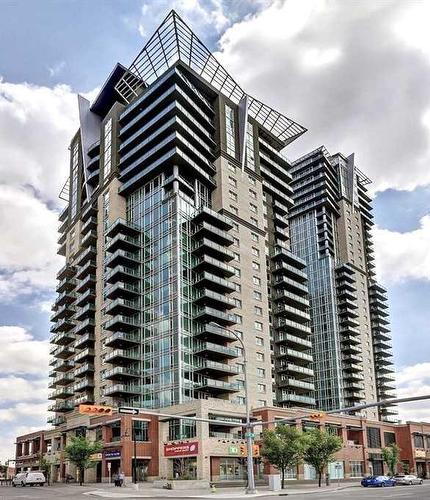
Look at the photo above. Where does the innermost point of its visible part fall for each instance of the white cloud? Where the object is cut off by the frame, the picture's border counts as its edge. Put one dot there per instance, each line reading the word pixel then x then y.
pixel 355 84
pixel 56 68
pixel 21 353
pixel 23 386
pixel 403 256
pixel 414 380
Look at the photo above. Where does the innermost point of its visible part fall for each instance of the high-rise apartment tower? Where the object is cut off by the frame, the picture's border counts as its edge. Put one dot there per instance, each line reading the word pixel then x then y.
pixel 176 242
pixel 330 227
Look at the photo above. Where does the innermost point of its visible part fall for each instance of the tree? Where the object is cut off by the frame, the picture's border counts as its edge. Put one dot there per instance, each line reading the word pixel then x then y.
pixel 79 452
pixel 283 447
pixel 45 467
pixel 320 449
pixel 391 455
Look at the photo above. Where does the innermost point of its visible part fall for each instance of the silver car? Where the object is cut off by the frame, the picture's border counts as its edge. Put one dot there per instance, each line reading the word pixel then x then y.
pixel 407 479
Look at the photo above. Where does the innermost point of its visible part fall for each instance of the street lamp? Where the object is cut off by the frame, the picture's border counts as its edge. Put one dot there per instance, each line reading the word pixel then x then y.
pixel 249 429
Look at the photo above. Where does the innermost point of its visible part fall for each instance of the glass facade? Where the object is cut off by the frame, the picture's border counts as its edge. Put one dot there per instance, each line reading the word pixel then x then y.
pixel 74 180
pixel 327 365
pixel 230 130
pixel 107 155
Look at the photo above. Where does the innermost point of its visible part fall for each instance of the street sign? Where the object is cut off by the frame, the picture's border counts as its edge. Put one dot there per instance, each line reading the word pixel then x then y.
pixel 250 435
pixel 128 411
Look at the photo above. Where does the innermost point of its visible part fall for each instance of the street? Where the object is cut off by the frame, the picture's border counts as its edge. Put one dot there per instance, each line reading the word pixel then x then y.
pixel 69 492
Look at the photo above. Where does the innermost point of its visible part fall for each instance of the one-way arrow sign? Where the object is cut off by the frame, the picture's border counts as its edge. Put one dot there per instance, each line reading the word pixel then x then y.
pixel 128 411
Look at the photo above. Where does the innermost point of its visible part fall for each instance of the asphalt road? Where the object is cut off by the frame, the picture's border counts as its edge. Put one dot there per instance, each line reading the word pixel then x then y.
pixel 74 492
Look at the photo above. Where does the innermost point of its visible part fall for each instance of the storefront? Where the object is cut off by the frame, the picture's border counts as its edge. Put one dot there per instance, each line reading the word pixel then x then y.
pixel 182 458
pixel 112 461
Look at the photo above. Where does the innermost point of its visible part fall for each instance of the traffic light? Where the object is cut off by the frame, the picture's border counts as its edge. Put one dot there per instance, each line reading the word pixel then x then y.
pixel 242 450
pixel 316 416
pixel 95 410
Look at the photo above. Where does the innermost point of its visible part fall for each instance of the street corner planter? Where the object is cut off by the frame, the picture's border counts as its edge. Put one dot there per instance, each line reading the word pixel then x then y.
pixel 184 484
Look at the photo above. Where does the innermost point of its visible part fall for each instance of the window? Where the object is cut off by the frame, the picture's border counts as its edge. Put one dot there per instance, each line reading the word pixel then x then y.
pixel 389 438
pixel 254 237
pixel 107 155
pixel 235 226
pixel 261 388
pixel 237 303
pixel 259 356
pixel 253 208
pixel 252 194
pixel 240 367
pixel 259 341
pixel 356 468
pixel 74 180
pixel 418 441
pixel 230 130
pixel 254 221
pixel 257 295
pixel 258 311
pixel 256 266
pixel 236 257
pixel 255 252
pixel 252 181
pixel 373 437
pixel 261 372
pixel 234 209
pixel 258 325
pixel 261 402
pixel 238 318
pixel 236 242
pixel 236 272
pixel 182 429
pixel 232 195
pixel 239 333
pixel 240 400
pixel 237 286
pixel 232 181
pixel 250 159
pixel 240 384
pixel 232 168
pixel 140 430
pixel 256 280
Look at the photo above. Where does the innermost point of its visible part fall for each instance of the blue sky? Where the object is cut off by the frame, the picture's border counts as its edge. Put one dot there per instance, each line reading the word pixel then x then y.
pixel 364 94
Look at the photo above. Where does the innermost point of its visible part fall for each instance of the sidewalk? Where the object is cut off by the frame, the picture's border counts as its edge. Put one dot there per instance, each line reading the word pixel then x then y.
pixel 146 491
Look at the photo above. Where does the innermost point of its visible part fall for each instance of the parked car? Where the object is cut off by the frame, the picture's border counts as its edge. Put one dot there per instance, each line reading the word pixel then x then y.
pixel 29 479
pixel 407 479
pixel 378 481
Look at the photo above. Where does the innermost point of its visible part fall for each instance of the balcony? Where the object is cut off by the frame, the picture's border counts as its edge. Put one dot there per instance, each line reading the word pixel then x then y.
pixel 84 398
pixel 66 271
pixel 284 282
pixel 89 240
pixel 122 242
pixel 63 325
pixel 281 253
pixel 89 211
pixel 85 312
pixel 66 284
pixel 204 229
pixel 122 340
pixel 207 263
pixel 86 298
pixel 61 393
pixel 85 355
pixel 62 379
pixel 292 353
pixel 122 390
pixel 62 406
pixel 208 247
pixel 214 282
pixel 122 323
pixel 212 331
pixel 216 368
pixel 206 214
pixel 83 256
pixel 83 370
pixel 122 306
pixel 216 350
pixel 86 340
pixel 55 421
pixel 285 310
pixel 290 298
pixel 122 273
pixel 122 373
pixel 298 342
pixel 120 226
pixel 217 386
pixel 64 366
pixel 122 257
pixel 86 326
pixel 218 300
pixel 65 311
pixel 298 385
pixel 63 352
pixel 292 327
pixel 298 371
pixel 63 338
pixel 209 314
pixel 89 225
pixel 296 398
pixel 88 268
pixel 289 270
pixel 121 356
pixel 65 298
pixel 83 384
pixel 86 283
pixel 125 290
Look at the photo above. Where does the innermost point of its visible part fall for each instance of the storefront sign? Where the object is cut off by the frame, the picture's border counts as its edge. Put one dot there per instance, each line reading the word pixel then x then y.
pixel 112 454
pixel 96 456
pixel 420 453
pixel 179 450
pixel 233 450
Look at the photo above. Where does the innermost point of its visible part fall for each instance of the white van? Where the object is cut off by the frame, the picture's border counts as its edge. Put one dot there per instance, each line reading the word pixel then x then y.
pixel 29 479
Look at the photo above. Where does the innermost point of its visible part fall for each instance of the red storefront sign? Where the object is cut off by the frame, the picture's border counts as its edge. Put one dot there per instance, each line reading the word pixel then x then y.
pixel 179 450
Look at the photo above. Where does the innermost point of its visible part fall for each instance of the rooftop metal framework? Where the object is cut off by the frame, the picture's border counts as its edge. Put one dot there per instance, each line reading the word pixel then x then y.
pixel 174 41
